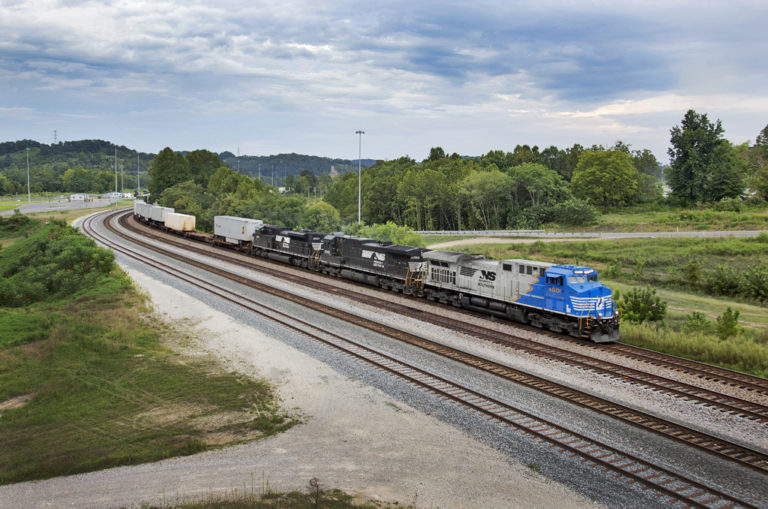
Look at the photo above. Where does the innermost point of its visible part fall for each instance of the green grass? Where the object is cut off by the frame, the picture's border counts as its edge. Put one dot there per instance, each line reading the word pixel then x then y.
pixel 98 386
pixel 747 353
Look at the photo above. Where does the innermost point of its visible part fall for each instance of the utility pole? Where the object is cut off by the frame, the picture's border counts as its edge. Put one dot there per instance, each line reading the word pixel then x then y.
pixel 115 176
pixel 29 191
pixel 359 173
pixel 138 177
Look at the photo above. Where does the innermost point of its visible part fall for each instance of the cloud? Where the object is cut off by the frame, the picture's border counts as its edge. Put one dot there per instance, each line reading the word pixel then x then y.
pixel 558 66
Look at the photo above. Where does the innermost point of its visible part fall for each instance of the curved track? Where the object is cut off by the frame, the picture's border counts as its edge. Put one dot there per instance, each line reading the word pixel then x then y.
pixel 673 486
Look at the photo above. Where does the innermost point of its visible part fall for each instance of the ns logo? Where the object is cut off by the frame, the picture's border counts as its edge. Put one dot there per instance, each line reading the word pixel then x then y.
pixel 488 275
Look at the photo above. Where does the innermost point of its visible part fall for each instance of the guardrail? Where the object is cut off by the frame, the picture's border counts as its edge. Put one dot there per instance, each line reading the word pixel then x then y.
pixel 509 233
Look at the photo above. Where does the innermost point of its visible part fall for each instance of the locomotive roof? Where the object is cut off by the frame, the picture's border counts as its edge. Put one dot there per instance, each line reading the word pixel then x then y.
pixel 449 256
pixel 570 270
pixel 404 250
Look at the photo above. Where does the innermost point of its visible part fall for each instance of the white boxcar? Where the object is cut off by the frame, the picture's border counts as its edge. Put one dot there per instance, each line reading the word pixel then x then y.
pixel 179 222
pixel 235 229
pixel 157 213
pixel 141 209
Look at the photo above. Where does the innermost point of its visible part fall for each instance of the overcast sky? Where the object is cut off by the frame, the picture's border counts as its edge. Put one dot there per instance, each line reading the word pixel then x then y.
pixel 303 76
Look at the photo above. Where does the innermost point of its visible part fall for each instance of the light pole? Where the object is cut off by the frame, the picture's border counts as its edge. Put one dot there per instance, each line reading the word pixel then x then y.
pixel 29 192
pixel 359 174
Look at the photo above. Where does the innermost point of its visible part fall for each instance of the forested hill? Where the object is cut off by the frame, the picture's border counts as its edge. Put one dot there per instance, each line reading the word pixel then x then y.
pixel 100 155
pixel 290 164
pixel 90 154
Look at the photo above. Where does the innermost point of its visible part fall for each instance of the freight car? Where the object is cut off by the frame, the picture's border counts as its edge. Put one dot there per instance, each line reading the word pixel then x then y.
pixel 237 231
pixel 179 222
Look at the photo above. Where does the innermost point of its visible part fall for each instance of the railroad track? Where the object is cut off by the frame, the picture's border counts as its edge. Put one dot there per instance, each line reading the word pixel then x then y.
pixel 725 403
pixel 671 487
pixel 723 448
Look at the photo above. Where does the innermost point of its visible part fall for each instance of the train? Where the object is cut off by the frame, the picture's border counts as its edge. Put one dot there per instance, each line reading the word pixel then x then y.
pixel 567 299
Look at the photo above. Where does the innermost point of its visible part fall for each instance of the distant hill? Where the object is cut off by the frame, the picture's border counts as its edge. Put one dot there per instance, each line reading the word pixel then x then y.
pixel 90 154
pixel 290 164
pixel 100 154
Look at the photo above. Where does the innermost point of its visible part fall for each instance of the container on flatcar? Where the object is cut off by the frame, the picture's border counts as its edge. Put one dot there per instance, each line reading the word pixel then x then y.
pixel 179 222
pixel 235 230
pixel 157 213
pixel 141 209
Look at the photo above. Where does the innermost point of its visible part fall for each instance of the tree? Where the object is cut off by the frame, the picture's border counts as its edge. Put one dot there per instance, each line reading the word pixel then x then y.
pixel 605 178
pixel 487 195
pixel 202 165
pixel 536 184
pixel 321 216
pixel 758 161
pixel 167 169
pixel 701 168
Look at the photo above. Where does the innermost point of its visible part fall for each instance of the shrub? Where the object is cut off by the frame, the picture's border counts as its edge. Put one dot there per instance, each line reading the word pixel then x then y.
pixel 727 323
pixel 723 280
pixel 697 322
pixel 613 271
pixel 572 212
pixel 754 283
pixel 55 261
pixel 643 305
pixel 692 272
pixel 730 204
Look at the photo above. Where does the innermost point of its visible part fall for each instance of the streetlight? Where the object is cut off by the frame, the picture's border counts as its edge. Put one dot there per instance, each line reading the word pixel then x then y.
pixel 29 192
pixel 359 174
pixel 115 176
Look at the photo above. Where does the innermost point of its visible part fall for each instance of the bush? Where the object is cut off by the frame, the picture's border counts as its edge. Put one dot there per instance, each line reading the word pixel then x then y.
pixel 572 212
pixel 692 272
pixel 729 204
pixel 389 232
pixel 697 322
pixel 55 261
pixel 612 271
pixel 754 283
pixel 727 324
pixel 723 280
pixel 642 305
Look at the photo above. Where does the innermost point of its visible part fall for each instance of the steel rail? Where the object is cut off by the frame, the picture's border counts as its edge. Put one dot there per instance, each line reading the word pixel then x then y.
pixel 663 481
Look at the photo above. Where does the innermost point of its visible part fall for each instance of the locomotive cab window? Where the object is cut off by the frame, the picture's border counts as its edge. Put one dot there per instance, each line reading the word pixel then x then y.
pixel 558 281
pixel 592 278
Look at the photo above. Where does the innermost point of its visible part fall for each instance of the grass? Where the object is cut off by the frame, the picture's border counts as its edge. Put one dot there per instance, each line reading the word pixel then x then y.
pixel 667 218
pixel 97 385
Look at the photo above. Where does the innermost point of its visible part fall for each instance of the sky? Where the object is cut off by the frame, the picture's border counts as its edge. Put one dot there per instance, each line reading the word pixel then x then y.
pixel 263 78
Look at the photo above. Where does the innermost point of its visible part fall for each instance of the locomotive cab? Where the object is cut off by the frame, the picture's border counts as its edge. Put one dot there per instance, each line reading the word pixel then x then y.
pixel 578 292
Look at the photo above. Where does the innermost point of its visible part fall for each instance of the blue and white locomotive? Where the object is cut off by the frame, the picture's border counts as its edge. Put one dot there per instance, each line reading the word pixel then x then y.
pixel 562 298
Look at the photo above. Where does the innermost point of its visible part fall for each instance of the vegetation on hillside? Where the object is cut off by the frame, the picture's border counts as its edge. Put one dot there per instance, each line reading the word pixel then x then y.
pixel 85 379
